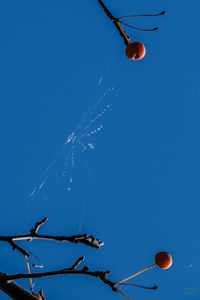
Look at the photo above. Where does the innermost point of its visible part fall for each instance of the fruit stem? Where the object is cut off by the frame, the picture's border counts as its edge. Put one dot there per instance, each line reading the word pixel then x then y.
pixel 135 16
pixel 123 294
pixel 135 274
pixel 115 22
pixel 140 286
pixel 136 28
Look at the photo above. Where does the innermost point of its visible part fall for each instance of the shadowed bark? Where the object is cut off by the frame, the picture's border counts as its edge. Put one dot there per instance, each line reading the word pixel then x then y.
pixel 13 290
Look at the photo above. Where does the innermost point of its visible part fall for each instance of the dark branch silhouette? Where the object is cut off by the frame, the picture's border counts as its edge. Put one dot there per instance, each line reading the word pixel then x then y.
pixel 14 291
pixel 117 22
pixel 102 275
pixel 33 235
pixel 66 271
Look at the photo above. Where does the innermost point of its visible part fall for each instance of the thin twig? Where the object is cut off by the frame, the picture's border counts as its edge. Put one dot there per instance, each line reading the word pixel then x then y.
pixel 37 225
pixel 135 16
pixel 136 28
pixel 155 287
pixel 78 262
pixel 123 294
pixel 16 247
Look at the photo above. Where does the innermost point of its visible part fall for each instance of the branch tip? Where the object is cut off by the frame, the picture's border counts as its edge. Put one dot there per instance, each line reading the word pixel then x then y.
pixel 77 263
pixel 37 225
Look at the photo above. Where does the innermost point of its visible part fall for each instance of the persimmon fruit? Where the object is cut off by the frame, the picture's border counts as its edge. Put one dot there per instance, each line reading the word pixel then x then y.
pixel 163 260
pixel 135 51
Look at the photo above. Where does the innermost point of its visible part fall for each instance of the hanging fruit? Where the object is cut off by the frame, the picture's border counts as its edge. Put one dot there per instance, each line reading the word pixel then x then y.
pixel 135 51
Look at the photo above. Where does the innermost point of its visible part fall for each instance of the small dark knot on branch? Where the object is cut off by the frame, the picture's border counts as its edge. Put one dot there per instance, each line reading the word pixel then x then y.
pixel 85 269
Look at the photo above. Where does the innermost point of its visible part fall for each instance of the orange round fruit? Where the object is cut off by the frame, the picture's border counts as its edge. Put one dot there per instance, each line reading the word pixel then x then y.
pixel 163 260
pixel 135 51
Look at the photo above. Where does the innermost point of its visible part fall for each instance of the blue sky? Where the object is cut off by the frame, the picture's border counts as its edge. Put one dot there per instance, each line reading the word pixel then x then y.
pixel 63 70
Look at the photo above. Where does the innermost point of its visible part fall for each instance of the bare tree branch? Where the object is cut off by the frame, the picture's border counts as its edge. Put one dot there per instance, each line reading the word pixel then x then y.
pixel 115 22
pixel 33 235
pixel 17 293
pixel 67 271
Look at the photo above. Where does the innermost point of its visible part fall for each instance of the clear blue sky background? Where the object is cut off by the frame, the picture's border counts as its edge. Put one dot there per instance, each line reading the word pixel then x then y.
pixel 138 190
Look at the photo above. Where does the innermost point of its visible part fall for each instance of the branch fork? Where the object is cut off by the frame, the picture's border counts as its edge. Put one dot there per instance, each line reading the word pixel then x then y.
pixel 118 21
pixel 13 290
pixel 33 235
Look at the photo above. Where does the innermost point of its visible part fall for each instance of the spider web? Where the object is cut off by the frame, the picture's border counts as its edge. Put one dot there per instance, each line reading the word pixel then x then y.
pixel 57 181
